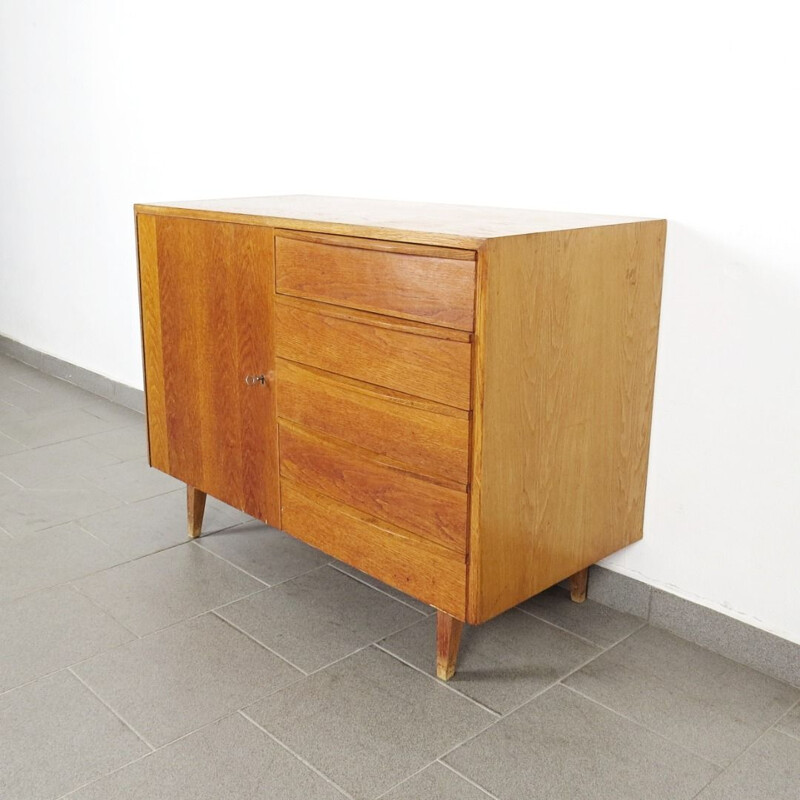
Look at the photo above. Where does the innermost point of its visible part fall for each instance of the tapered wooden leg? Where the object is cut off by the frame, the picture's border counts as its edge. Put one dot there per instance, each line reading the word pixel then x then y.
pixel 195 506
pixel 448 637
pixel 577 585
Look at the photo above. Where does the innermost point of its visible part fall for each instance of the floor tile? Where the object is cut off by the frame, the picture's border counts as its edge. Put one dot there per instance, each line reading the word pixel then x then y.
pixel 9 412
pixel 561 746
pixel 769 770
pixel 133 480
pixel 166 587
pixel 236 516
pixel 51 629
pixel 51 557
pixel 125 444
pixel 55 735
pixel 369 721
pixel 599 624
pixel 271 555
pixel 436 782
pixel 51 395
pixel 113 412
pixel 26 511
pixel 12 366
pixel 503 662
pixel 703 701
pixel 41 465
pixel 7 485
pixel 146 526
pixel 228 760
pixel 16 393
pixel 791 722
pixel 9 445
pixel 56 426
pixel 423 608
pixel 319 617
pixel 179 679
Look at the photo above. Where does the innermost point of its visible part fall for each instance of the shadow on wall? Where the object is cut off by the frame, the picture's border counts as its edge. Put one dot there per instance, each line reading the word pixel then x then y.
pixel 723 498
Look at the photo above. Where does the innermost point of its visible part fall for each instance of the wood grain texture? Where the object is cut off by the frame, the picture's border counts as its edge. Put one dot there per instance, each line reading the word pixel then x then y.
pixel 412 564
pixel 195 508
pixel 332 269
pixel 448 639
pixel 375 486
pixel 571 325
pixel 215 284
pixel 426 223
pixel 150 313
pixel 433 368
pixel 430 439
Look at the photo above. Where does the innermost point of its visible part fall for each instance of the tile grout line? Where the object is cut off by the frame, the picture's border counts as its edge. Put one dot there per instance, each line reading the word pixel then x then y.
pixel 297 756
pixel 741 755
pixel 568 674
pixel 399 600
pixel 468 780
pixel 106 775
pixel 660 735
pixel 782 717
pixel 443 684
pixel 260 644
pixel 97 605
pixel 602 647
pixel 112 710
pixel 197 543
pixel 145 756
pixel 340 659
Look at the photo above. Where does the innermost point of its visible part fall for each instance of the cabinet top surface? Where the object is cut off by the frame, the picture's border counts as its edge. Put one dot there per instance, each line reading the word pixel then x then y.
pixel 372 217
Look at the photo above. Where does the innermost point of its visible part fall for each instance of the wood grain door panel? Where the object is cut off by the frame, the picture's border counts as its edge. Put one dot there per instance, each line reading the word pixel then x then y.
pixel 213 282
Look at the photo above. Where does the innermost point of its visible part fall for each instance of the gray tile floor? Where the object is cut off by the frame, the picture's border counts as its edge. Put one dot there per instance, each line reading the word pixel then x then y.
pixel 137 665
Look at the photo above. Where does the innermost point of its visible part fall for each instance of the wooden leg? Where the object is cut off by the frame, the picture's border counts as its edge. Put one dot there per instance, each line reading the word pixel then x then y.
pixel 577 585
pixel 448 637
pixel 195 506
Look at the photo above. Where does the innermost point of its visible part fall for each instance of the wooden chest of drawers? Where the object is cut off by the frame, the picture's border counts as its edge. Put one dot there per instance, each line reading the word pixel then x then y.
pixel 454 400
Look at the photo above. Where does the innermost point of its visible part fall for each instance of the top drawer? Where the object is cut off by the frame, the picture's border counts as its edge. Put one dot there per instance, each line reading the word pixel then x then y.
pixel 428 284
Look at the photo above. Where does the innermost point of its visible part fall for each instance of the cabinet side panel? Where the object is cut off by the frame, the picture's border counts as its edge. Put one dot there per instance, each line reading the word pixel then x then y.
pixel 570 347
pixel 150 301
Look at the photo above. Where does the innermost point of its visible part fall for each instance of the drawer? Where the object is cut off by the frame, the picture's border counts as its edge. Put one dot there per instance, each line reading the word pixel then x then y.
pixel 428 284
pixel 430 438
pixel 407 357
pixel 376 487
pixel 424 570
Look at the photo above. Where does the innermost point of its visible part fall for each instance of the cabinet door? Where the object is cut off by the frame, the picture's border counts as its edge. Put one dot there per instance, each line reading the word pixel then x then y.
pixel 206 298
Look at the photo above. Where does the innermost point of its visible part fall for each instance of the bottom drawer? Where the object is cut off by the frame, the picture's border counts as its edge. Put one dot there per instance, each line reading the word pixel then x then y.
pixel 413 565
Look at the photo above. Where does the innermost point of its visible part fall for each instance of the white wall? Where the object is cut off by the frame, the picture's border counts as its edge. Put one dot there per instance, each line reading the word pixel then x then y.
pixel 683 110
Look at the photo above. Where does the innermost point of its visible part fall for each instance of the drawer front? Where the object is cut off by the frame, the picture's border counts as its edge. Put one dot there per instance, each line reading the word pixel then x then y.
pixel 424 365
pixel 428 288
pixel 430 438
pixel 430 573
pixel 356 478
